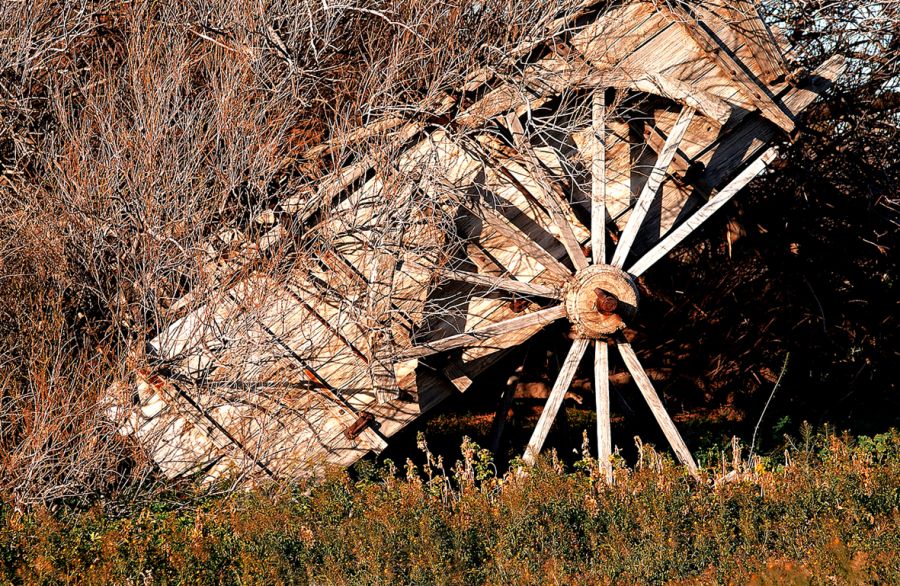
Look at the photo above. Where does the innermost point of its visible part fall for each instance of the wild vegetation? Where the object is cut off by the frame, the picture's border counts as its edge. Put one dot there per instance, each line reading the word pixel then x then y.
pixel 824 512
pixel 131 131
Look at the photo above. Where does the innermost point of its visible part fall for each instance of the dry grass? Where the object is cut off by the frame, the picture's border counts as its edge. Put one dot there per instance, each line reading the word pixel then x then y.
pixel 824 513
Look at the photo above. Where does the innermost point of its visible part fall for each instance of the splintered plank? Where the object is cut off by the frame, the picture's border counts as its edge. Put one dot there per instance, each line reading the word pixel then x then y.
pixel 720 52
pixel 498 101
pixel 746 21
pixel 749 138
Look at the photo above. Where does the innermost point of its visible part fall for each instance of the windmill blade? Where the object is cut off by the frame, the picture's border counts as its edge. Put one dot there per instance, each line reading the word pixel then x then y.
pixel 546 196
pixel 538 318
pixel 598 179
pixel 704 213
pixel 554 401
pixel 652 186
pixel 601 391
pixel 656 406
pixel 499 283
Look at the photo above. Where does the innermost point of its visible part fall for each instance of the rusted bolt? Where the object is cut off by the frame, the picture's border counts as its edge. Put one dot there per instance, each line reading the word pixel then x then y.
pixel 364 420
pixel 518 305
pixel 607 303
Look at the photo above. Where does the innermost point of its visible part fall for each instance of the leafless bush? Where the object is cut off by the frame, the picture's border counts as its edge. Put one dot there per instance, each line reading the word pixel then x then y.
pixel 132 134
pixel 140 140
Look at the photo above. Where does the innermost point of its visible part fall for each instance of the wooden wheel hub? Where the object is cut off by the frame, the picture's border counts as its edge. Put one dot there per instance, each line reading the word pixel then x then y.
pixel 599 299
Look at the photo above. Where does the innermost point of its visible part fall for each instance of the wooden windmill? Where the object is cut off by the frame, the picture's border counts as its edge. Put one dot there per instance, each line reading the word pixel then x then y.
pixel 505 205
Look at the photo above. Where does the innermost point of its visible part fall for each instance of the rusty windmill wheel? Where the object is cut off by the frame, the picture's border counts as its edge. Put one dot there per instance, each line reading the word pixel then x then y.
pixel 512 203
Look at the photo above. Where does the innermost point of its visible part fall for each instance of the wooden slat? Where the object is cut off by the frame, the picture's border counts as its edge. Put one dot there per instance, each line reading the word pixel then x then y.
pixel 536 319
pixel 598 177
pixel 747 21
pixel 695 221
pixel 651 187
pixel 545 195
pixel 554 401
pixel 502 284
pixel 659 411
pixel 601 392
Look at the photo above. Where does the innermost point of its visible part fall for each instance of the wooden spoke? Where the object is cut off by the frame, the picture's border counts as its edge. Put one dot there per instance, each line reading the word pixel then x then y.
pixel 656 406
pixel 563 382
pixel 500 224
pixel 537 319
pixel 601 391
pixel 546 197
pixel 708 209
pixel 651 187
pixel 502 284
pixel 598 179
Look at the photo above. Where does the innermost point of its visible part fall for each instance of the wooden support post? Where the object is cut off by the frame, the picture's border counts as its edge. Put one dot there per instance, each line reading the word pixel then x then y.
pixel 563 381
pixel 651 187
pixel 598 178
pixel 601 392
pixel 656 406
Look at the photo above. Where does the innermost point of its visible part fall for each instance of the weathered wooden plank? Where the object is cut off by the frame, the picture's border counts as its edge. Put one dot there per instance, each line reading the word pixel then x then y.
pixel 659 411
pixel 723 55
pixel 565 73
pixel 608 40
pixel 527 321
pixel 598 177
pixel 704 213
pixel 601 393
pixel 723 151
pixel 554 401
pixel 746 20
pixel 651 187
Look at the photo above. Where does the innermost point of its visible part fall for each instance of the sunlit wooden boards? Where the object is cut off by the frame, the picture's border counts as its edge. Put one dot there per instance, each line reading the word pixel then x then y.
pixel 453 228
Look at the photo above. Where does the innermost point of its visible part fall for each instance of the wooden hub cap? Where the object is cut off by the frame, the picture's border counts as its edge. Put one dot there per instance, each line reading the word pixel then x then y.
pixel 599 299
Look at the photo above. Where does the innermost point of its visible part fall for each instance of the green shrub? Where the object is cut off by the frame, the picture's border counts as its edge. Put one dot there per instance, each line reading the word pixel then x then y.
pixel 827 513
